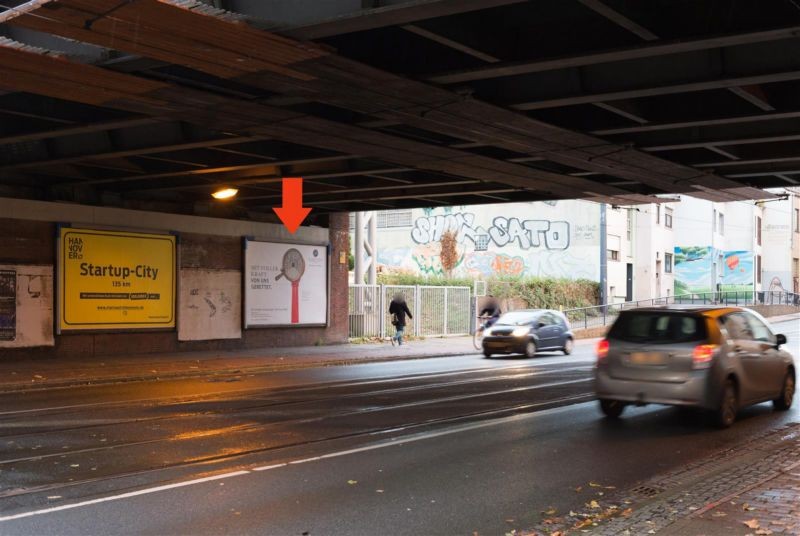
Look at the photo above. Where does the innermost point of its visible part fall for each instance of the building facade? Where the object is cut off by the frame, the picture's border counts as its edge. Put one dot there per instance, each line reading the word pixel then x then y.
pixel 737 246
pixel 560 239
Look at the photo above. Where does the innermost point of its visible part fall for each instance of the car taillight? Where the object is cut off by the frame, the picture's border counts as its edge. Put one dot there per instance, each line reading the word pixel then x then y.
pixel 602 350
pixel 703 354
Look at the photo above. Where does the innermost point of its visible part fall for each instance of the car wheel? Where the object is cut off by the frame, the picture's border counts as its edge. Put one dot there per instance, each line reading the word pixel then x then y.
pixel 611 408
pixel 487 354
pixel 728 406
pixel 784 401
pixel 530 349
pixel 569 345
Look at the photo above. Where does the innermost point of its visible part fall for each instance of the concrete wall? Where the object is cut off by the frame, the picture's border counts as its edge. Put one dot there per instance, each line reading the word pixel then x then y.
pixel 205 244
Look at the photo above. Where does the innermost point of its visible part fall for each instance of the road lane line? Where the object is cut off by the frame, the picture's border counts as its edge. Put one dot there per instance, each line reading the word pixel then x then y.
pixel 146 491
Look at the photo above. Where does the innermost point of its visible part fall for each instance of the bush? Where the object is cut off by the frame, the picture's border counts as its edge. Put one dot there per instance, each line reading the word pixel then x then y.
pixel 547 293
pixel 535 292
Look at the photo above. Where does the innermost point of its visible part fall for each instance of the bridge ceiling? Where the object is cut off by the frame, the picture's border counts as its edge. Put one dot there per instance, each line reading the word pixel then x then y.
pixel 155 104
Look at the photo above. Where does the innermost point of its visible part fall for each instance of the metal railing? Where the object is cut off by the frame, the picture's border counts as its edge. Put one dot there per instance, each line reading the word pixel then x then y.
pixel 438 311
pixel 602 315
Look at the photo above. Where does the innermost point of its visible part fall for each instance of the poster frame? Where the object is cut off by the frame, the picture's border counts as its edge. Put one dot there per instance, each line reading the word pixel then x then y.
pixel 288 242
pixel 59 286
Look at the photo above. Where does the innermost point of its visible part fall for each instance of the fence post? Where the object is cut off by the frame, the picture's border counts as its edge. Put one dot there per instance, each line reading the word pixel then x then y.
pixel 444 331
pixel 381 311
pixel 417 309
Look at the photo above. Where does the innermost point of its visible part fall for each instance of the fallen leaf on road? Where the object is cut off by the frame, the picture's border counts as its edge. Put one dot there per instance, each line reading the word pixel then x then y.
pixel 581 524
pixel 753 523
pixel 550 511
pixel 579 489
pixel 75 465
pixel 53 497
pixel 38 376
pixel 627 512
pixel 594 504
pixel 352 482
pixel 747 508
pixel 718 514
pixel 378 491
pixel 762 532
pixel 595 485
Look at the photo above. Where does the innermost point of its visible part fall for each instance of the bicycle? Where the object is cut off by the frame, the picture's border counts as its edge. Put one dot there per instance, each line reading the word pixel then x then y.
pixel 477 337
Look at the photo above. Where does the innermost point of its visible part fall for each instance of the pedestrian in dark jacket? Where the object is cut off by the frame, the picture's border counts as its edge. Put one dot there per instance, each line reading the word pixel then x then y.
pixel 398 310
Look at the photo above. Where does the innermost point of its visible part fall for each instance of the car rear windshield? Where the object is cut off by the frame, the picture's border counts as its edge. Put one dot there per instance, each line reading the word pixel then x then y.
pixel 658 328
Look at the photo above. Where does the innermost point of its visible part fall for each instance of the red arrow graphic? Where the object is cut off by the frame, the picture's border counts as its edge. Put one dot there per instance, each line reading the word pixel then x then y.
pixel 292 213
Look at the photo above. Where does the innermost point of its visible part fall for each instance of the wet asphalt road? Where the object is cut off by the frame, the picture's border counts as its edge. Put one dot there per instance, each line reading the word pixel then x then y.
pixel 440 446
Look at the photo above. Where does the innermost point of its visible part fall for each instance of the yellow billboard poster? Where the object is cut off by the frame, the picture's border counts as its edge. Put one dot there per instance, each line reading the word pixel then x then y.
pixel 110 280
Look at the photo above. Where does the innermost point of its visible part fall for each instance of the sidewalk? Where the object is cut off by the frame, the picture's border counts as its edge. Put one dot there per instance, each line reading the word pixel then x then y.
pixel 752 489
pixel 20 374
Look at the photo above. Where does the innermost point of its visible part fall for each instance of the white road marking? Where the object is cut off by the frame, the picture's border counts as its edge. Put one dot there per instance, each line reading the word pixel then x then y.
pixel 124 495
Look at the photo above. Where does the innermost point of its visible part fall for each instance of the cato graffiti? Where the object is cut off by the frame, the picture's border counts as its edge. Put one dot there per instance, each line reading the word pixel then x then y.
pixel 551 235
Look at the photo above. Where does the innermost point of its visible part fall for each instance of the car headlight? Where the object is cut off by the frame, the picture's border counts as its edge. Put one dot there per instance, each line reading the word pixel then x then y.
pixel 520 331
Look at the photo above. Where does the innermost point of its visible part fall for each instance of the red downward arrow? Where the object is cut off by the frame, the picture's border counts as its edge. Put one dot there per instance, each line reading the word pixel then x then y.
pixel 292 213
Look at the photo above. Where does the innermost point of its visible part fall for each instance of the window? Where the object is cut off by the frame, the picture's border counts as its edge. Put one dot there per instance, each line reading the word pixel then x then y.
pixel 758 230
pixel 613 255
pixel 721 223
pixel 758 268
pixel 737 326
pixel 795 267
pixel 668 263
pixel 797 220
pixel 759 330
pixel 657 328
pixel 630 225
pixel 394 218
pixel 612 291
pixel 658 214
pixel 714 221
pixel 668 217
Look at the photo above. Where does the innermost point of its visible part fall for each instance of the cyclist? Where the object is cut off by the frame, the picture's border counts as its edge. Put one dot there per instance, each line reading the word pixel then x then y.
pixel 491 311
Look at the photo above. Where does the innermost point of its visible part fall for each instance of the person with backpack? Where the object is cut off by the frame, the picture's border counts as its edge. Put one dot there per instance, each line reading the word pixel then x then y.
pixel 398 309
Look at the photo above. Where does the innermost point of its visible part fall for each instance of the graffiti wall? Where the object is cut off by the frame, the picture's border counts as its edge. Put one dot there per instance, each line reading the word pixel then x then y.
pixel 546 239
pixel 697 270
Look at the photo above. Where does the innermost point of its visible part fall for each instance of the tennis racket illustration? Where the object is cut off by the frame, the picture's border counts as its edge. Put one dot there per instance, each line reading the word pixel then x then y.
pixel 292 269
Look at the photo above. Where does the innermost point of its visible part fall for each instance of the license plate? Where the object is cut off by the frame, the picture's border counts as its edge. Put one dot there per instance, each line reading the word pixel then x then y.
pixel 647 358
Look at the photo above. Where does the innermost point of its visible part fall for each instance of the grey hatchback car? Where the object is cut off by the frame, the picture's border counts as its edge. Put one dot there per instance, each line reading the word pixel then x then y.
pixel 716 358
pixel 527 331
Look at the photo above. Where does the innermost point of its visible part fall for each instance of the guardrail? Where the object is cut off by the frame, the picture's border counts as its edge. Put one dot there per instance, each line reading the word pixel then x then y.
pixel 602 315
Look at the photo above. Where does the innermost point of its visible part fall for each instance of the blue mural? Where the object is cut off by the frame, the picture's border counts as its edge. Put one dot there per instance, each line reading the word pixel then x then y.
pixel 694 270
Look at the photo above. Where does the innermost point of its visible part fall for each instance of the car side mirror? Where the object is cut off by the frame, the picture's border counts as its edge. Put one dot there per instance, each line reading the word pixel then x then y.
pixel 780 339
pixel 540 324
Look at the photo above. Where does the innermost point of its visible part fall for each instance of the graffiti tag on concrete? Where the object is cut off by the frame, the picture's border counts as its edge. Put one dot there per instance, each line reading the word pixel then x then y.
pixel 527 234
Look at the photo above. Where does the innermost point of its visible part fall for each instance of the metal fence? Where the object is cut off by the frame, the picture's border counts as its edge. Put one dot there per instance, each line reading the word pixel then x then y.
pixel 601 315
pixel 437 311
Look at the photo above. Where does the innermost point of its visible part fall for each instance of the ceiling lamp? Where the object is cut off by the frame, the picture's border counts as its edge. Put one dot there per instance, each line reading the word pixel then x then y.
pixel 225 193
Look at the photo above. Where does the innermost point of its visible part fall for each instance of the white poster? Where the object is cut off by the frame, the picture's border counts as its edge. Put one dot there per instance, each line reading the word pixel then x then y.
pixel 210 304
pixel 285 284
pixel 27 318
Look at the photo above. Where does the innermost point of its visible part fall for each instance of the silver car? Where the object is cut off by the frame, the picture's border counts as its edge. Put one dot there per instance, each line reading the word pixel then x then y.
pixel 717 358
